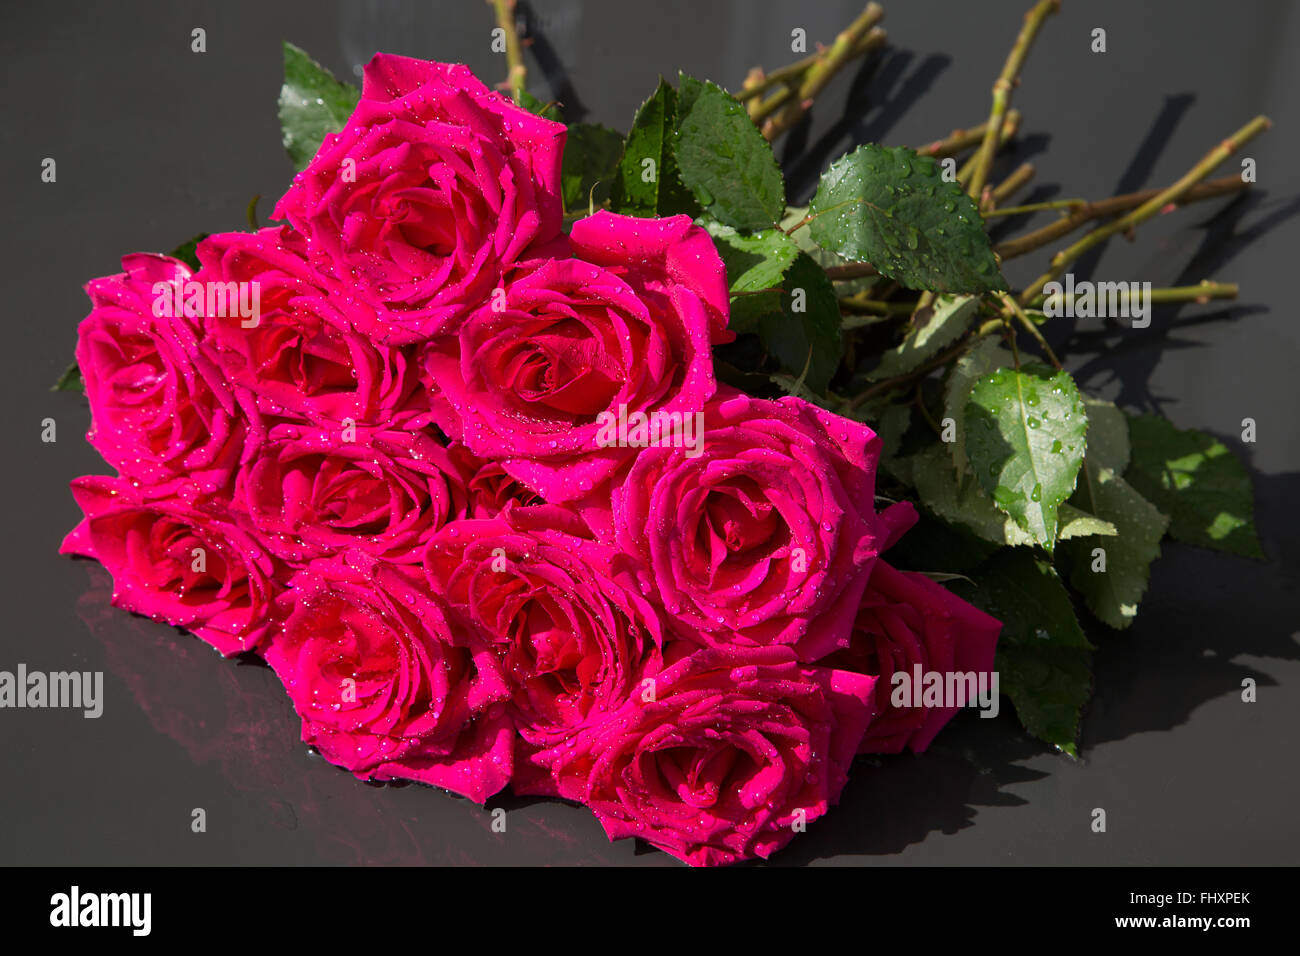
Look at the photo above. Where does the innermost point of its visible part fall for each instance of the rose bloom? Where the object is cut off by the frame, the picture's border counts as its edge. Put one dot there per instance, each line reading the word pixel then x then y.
pixel 575 637
pixel 624 326
pixel 159 407
pixel 906 620
pixel 384 686
pixel 765 538
pixel 309 494
pixel 434 185
pixel 491 489
pixel 177 558
pixel 736 748
pixel 302 353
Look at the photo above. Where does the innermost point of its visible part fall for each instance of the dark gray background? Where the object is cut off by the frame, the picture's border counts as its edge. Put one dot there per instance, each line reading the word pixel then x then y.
pixel 155 143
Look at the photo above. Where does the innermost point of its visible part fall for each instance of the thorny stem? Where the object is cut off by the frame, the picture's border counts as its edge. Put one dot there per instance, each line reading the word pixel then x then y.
pixel 1202 292
pixel 789 78
pixel 960 140
pixel 861 35
pixel 859 304
pixel 1037 207
pixel 760 82
pixel 1002 88
pixel 1099 209
pixel 918 399
pixel 889 384
pixel 1150 207
pixel 1102 208
pixel 1011 304
pixel 1009 129
pixel 517 73
pixel 1013 183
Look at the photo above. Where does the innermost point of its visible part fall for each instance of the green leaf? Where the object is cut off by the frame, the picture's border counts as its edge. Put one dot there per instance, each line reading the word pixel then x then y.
pixel 1076 523
pixel 1113 594
pixel 1108 442
pixel 805 334
pixel 892 208
pixel 1043 659
pixel 312 105
pixel 1025 438
pixel 1198 482
pixel 70 380
pixel 591 156
pixel 550 111
pixel 966 504
pixel 186 251
pixel 724 159
pixel 648 182
pixel 750 309
pixel 795 216
pixel 754 262
pixel 986 357
pixel 928 331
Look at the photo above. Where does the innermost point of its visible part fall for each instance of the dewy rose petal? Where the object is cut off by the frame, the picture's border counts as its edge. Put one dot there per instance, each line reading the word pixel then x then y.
pixel 302 355
pixel 624 326
pixel 734 751
pixel 385 686
pixel 178 558
pixel 765 538
pixel 575 637
pixel 908 625
pixel 434 186
pixel 160 408
pixel 309 495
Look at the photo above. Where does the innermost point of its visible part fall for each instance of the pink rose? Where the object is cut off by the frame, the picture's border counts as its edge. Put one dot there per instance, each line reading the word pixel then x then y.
pixel 625 327
pixel 765 538
pixel 908 624
pixel 310 495
pixel 491 489
pixel 575 638
pixel 384 686
pixel 299 354
pixel 435 184
pixel 737 748
pixel 159 407
pixel 177 558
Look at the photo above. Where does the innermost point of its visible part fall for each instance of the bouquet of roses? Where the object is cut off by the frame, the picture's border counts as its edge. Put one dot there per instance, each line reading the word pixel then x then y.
pixel 505 487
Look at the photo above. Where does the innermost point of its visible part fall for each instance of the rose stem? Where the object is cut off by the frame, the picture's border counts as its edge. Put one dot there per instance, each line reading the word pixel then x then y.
pixel 889 384
pixel 1201 293
pixel 1012 184
pixel 1148 208
pixel 1098 209
pixel 858 304
pixel 758 82
pixel 1009 129
pixel 760 109
pixel 1115 205
pixel 861 35
pixel 1013 306
pixel 1002 88
pixel 517 74
pixel 960 140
